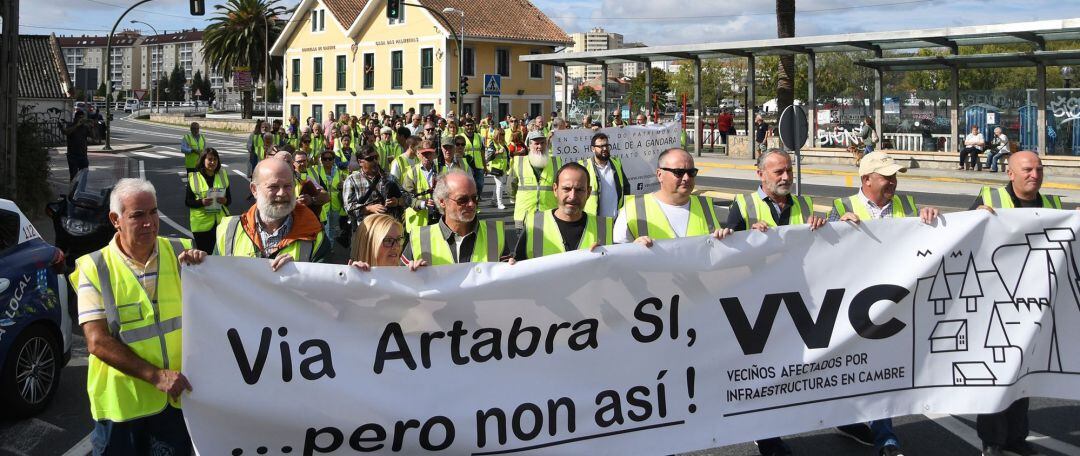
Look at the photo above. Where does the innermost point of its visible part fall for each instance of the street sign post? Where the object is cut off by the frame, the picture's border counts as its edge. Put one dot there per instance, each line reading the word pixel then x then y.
pixel 793 133
pixel 492 85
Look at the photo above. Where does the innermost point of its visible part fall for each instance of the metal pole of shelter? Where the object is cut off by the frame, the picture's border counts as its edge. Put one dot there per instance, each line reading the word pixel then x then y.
pixel 878 102
pixel 108 77
pixel 603 94
pixel 648 93
pixel 266 70
pixel 697 106
pixel 811 95
pixel 1040 100
pixel 566 92
pixel 750 105
pixel 954 110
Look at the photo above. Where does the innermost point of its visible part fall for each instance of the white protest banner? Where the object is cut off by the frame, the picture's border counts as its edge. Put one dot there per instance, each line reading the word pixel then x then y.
pixel 691 344
pixel 637 146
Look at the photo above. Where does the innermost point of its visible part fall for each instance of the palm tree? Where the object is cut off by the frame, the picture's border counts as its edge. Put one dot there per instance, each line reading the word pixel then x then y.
pixel 239 35
pixel 785 28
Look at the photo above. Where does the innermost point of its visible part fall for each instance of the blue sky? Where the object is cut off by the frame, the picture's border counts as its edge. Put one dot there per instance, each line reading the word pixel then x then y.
pixel 653 22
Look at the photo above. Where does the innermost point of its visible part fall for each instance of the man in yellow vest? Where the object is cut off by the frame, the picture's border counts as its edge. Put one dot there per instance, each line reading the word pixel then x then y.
pixel 330 178
pixel 459 237
pixel 130 312
pixel 1025 171
pixel 275 227
pixel 533 177
pixel 567 227
pixel 474 153
pixel 773 204
pixel 192 145
pixel 419 183
pixel 1006 432
pixel 877 198
pixel 671 212
pixel 387 148
pixel 606 179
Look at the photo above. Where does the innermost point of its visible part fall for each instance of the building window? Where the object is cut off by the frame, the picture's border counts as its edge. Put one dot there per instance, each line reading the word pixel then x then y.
pixel 316 112
pixel 369 71
pixel 504 110
pixel 317 75
pixel 470 62
pixel 427 68
pixel 185 59
pixel 368 108
pixel 396 69
pixel 294 111
pixel 425 108
pixel 340 72
pixel 396 109
pixel 536 70
pixel 295 75
pixel 467 108
pixel 318 20
pixel 502 62
pixel 339 110
pixel 535 110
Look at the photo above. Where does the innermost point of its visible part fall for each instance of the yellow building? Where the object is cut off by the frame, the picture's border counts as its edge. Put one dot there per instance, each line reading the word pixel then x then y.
pixel 347 56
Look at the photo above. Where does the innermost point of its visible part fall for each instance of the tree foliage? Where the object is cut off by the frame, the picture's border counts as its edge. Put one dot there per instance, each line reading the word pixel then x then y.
pixel 238 37
pixel 660 89
pixel 586 94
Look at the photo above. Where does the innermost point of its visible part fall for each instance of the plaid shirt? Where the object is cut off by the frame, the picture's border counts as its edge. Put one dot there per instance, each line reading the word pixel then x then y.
pixel 356 186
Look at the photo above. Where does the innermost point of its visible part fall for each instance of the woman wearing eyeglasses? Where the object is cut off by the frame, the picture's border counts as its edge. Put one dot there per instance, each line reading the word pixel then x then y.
pixel 378 241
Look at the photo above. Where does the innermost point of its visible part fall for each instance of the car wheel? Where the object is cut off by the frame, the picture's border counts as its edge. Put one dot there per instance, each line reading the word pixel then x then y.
pixel 31 373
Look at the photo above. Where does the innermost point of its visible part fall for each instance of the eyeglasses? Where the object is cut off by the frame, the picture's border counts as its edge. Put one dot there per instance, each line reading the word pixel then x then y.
pixel 390 242
pixel 680 172
pixel 603 146
pixel 461 201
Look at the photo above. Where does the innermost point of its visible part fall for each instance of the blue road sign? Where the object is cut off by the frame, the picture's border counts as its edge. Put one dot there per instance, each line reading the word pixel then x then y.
pixel 492 85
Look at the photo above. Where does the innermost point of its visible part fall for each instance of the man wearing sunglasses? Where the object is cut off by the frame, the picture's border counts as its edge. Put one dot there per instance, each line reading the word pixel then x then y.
pixel 387 147
pixel 773 204
pixel 567 227
pixel 370 191
pixel 451 154
pixel 458 237
pixel 672 211
pixel 607 180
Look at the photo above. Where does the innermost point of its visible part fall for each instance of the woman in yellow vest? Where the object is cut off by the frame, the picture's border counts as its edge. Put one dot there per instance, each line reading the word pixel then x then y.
pixel 207 198
pixel 498 162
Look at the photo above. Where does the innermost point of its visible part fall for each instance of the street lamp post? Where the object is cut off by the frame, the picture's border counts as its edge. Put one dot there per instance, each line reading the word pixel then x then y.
pixel 154 80
pixel 461 58
pixel 108 76
pixel 266 69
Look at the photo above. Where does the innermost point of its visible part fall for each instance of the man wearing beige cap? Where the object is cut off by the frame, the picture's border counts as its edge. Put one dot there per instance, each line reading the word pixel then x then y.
pixel 877 198
pixel 387 148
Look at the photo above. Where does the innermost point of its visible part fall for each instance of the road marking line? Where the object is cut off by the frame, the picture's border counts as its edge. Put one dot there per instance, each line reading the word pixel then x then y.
pixel 82 448
pixel 957 428
pixel 1050 443
pixel 173 224
pixel 241 174
pixel 142 170
pixel 171 154
pixel 148 155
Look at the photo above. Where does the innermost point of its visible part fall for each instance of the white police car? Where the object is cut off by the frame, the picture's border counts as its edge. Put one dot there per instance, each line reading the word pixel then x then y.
pixel 35 326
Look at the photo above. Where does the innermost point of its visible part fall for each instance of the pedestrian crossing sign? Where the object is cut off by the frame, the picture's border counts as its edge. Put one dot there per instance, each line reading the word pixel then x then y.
pixel 492 85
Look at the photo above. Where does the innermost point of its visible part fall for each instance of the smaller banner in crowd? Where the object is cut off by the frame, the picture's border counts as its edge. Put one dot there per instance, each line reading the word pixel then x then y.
pixel 637 146
pixel 691 344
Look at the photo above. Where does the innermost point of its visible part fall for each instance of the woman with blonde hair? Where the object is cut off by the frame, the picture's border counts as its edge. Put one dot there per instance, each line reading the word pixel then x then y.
pixel 378 241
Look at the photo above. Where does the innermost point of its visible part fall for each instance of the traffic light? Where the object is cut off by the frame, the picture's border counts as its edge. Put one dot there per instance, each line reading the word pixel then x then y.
pixel 464 85
pixel 198 7
pixel 393 9
pixel 453 97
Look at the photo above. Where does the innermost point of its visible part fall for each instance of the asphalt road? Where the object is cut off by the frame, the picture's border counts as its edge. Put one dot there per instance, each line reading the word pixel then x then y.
pixel 62 429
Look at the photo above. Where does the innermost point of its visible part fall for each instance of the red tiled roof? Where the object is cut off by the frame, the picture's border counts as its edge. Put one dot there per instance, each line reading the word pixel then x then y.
pixel 122 40
pixel 495 19
pixel 183 36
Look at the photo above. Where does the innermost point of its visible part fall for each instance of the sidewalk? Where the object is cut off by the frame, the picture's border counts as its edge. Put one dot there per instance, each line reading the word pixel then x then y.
pixel 117 147
pixel 915 180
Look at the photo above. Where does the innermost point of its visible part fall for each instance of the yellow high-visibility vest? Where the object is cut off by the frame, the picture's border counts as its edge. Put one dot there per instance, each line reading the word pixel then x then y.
pixel 644 217
pixel 542 235
pixel 902 206
pixel 191 159
pixel 534 194
pixel 150 326
pixel 754 209
pixel 428 244
pixel 999 199
pixel 203 219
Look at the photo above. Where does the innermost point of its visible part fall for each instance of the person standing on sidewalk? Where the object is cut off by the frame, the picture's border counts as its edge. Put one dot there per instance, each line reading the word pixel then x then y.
pixel 77 132
pixel 192 145
pixel 762 133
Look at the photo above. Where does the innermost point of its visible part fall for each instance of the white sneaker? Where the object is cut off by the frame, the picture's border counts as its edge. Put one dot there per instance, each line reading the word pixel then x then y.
pixel 501 206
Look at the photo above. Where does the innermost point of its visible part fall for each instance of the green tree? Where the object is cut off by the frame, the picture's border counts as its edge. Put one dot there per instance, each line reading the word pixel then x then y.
pixel 660 89
pixel 100 90
pixel 586 94
pixel 177 79
pixel 162 87
pixel 196 85
pixel 238 37
pixel 275 92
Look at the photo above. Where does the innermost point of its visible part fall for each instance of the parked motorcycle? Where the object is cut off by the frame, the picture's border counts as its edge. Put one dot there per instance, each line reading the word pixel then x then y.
pixel 81 218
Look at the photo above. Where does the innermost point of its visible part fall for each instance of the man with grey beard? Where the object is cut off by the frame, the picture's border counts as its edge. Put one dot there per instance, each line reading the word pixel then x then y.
pixel 275 227
pixel 773 204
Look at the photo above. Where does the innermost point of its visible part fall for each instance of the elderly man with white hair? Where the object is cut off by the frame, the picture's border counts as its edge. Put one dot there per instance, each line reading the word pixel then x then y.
pixel 275 227
pixel 130 311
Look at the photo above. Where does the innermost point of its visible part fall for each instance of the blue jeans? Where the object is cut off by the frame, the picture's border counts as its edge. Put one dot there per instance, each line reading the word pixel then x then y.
pixel 164 433
pixel 332 227
pixel 478 176
pixel 883 434
pixel 991 160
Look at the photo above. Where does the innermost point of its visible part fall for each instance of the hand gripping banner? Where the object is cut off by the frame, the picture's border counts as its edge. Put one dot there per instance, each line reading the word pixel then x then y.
pixel 691 344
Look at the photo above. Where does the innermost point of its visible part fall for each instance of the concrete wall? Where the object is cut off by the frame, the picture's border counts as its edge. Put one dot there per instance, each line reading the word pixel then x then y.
pixel 236 125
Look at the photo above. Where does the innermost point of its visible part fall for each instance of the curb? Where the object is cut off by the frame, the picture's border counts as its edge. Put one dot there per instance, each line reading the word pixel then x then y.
pixel 951 180
pixel 168 125
pixel 115 150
